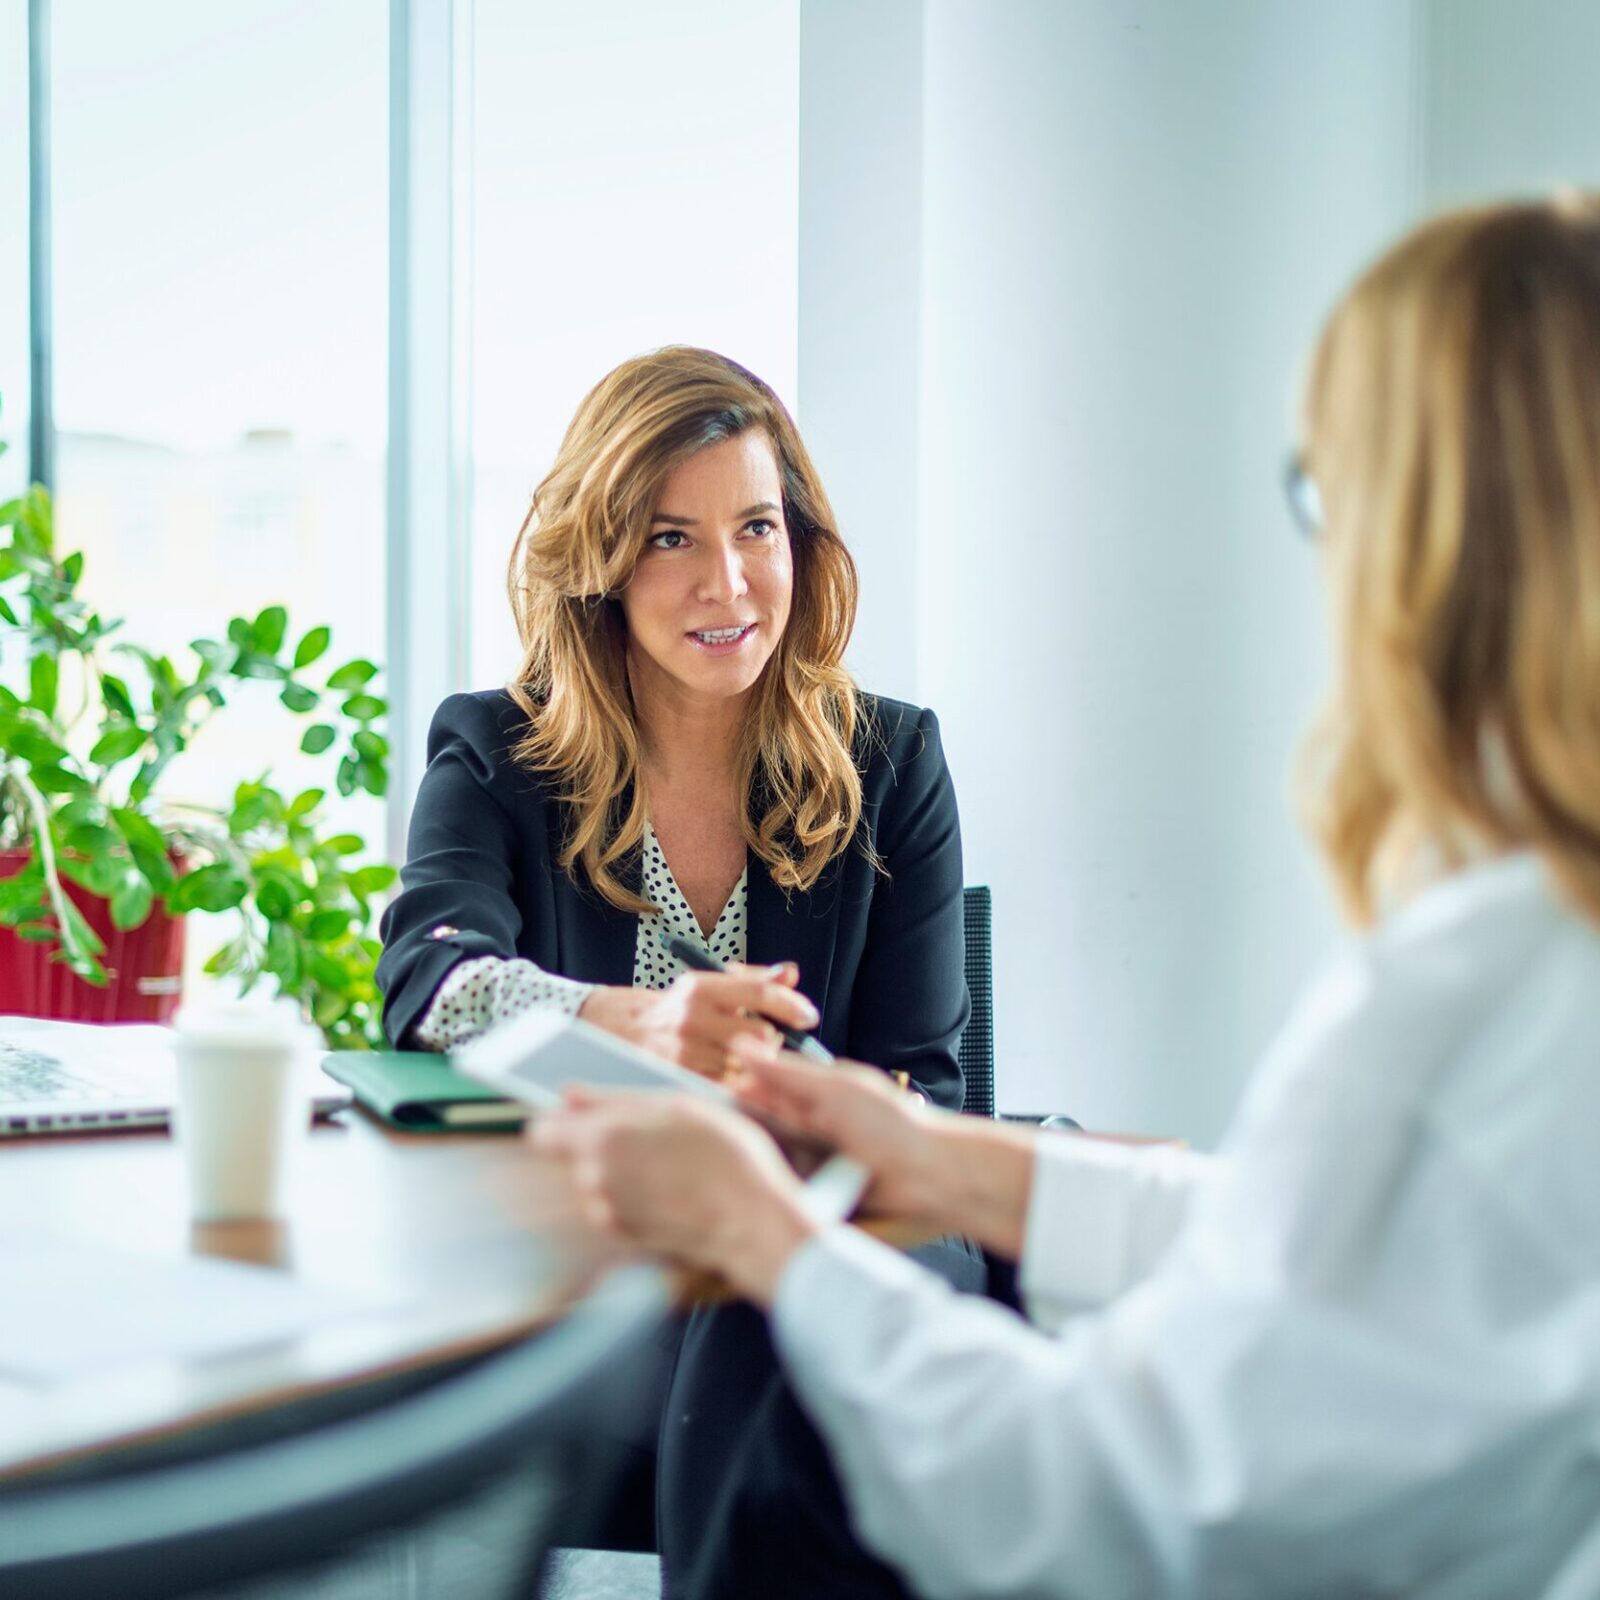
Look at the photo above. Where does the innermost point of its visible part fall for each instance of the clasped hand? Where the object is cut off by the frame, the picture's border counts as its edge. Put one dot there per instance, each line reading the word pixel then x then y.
pixel 710 1187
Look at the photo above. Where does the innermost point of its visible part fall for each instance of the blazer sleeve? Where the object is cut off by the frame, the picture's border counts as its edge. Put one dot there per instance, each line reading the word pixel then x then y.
pixel 910 1001
pixel 462 860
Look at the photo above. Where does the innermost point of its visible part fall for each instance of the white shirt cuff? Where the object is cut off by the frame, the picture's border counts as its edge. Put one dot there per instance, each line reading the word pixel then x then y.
pixel 1099 1215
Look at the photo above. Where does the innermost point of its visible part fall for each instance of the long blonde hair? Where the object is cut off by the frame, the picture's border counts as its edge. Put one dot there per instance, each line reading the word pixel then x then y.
pixel 1453 428
pixel 796 773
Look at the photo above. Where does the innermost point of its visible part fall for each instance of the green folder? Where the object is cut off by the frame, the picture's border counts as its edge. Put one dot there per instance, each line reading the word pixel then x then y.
pixel 422 1093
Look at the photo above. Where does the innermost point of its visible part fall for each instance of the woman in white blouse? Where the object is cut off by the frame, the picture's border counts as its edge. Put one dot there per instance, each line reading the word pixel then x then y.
pixel 1358 1350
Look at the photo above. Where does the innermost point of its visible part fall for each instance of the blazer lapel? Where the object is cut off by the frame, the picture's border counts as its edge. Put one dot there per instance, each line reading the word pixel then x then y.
pixel 595 941
pixel 800 928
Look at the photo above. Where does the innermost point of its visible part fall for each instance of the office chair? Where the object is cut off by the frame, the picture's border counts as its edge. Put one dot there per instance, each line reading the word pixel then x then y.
pixel 319 1502
pixel 976 1049
pixel 975 1052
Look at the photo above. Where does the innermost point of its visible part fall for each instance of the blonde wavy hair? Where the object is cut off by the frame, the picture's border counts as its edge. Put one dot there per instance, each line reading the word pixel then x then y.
pixel 1453 429
pixel 576 551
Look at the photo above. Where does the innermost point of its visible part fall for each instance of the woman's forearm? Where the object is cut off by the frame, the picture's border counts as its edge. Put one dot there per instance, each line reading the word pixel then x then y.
pixel 975 1177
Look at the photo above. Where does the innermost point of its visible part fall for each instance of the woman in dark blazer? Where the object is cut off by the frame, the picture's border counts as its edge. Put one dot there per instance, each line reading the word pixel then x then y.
pixel 683 751
pixel 878 943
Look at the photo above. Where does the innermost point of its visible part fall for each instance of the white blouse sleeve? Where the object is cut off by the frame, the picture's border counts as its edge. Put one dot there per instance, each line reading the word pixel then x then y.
pixel 1100 1216
pixel 477 994
pixel 1366 1364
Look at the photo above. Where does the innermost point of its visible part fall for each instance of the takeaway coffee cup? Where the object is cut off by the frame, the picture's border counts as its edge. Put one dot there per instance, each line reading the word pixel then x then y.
pixel 244 1077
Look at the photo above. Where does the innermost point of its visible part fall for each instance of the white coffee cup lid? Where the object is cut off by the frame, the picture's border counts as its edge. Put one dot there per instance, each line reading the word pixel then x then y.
pixel 244 1022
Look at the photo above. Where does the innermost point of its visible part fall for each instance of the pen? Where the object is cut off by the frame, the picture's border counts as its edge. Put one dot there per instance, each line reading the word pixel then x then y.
pixel 835 1189
pixel 692 956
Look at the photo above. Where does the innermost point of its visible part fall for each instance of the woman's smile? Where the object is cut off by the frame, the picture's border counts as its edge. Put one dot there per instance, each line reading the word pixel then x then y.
pixel 722 641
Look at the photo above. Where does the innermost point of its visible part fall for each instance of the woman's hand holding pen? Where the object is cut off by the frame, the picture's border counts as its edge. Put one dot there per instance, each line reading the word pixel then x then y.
pixel 697 1022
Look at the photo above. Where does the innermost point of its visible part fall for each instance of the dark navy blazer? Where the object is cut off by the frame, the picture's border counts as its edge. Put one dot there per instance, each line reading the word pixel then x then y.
pixel 880 952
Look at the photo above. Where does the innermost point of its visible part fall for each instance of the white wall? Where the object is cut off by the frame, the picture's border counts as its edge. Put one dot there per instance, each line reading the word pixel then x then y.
pixel 1135 214
pixel 1513 97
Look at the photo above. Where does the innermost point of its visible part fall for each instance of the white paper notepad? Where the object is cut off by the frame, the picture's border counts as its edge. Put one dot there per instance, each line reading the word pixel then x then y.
pixel 68 1308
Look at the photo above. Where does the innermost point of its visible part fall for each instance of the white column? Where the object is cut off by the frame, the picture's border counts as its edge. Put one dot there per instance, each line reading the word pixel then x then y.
pixel 429 387
pixel 1135 214
pixel 860 304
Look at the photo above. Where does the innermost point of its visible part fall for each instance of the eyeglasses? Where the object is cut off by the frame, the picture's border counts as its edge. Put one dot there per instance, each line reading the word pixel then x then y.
pixel 1303 495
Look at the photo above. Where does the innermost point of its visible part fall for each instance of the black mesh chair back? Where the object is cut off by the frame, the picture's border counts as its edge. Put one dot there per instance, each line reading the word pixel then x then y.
pixel 341 1506
pixel 976 1050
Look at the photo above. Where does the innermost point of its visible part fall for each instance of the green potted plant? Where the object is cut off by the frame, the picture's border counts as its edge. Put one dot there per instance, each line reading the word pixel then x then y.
pixel 92 849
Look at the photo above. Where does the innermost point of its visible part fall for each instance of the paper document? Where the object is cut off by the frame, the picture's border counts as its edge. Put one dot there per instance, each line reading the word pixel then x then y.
pixel 67 1308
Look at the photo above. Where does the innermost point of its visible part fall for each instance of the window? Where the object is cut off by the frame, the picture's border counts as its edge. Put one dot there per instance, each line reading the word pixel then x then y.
pixel 220 207
pixel 220 203
pixel 13 246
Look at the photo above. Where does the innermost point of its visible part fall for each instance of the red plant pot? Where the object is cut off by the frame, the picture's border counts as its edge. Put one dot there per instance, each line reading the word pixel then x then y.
pixel 144 965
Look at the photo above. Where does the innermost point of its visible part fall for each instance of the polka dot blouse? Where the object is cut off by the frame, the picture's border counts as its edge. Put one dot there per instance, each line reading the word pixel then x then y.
pixel 476 994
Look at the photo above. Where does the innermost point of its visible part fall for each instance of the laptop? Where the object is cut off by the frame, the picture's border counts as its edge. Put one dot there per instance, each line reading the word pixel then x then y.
pixel 77 1077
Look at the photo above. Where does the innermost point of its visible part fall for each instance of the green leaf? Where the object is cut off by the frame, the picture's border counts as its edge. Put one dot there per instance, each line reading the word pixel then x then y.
pixel 328 970
pixel 114 692
pixel 97 874
pixel 252 665
pixel 226 959
pixel 72 569
pixel 79 939
pixel 346 780
pixel 364 707
pixel 326 926
pixel 213 888
pixel 313 646
pixel 345 844
pixel 57 780
pixel 353 674
pixel 146 844
pixel 38 518
pixel 92 838
pixel 371 880
pixel 328 1007
pixel 369 744
pixel 8 613
pixel 34 747
pixel 241 633
pixel 253 804
pixel 117 743
pixel 131 899
pixel 78 813
pixel 275 899
pixel 317 739
pixel 269 629
pixel 297 697
pixel 43 678
pixel 373 777
pixel 23 891
pixel 306 802
pixel 283 955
